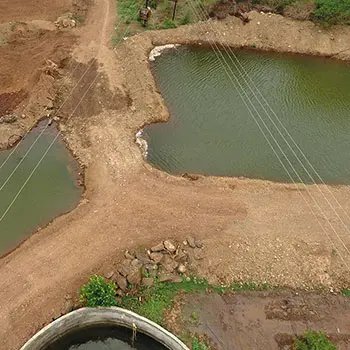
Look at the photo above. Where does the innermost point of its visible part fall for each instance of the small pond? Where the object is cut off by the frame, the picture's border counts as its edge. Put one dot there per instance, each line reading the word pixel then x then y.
pixel 105 338
pixel 52 190
pixel 211 131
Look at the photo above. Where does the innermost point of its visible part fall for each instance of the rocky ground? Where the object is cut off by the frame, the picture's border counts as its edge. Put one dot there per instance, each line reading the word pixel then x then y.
pixel 167 262
pixel 35 47
pixel 252 230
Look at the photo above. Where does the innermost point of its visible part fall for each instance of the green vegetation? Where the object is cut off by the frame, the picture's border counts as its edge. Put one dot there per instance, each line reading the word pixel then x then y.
pixel 324 11
pixel 128 14
pixel 312 340
pixel 332 11
pixel 128 10
pixel 98 292
pixel 154 301
pixel 168 24
pixel 199 345
pixel 346 292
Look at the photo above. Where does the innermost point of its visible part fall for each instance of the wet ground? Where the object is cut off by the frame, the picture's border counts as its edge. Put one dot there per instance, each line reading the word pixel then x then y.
pixel 264 320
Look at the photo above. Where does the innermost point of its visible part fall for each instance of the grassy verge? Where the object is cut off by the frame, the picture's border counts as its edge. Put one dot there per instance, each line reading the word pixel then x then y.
pixel 161 18
pixel 323 11
pixel 153 302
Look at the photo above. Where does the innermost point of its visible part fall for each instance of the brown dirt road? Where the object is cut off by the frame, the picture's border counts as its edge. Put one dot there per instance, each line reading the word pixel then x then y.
pixel 253 230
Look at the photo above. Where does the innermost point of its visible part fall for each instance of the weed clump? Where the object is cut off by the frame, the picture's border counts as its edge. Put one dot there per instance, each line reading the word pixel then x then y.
pixel 98 292
pixel 199 345
pixel 312 340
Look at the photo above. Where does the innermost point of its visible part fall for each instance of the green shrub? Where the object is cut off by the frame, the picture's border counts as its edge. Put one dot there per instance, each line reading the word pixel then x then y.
pixel 198 344
pixel 98 292
pixel 128 10
pixel 168 24
pixel 346 292
pixel 333 11
pixel 312 340
pixel 186 19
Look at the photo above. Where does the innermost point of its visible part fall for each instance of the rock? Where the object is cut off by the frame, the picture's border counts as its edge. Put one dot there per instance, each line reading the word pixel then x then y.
pixel 169 277
pixel 143 257
pixel 128 255
pixel 8 118
pixel 65 21
pixel 181 268
pixel 199 243
pixel 149 270
pixel 191 242
pixel 134 278
pixel 147 281
pixel 168 263
pixel 181 256
pixel 136 263
pixel 13 139
pixel 198 254
pixel 109 274
pixel 120 293
pixel 169 246
pixel 125 268
pixel 120 281
pixel 158 248
pixel 156 257
pixel 191 177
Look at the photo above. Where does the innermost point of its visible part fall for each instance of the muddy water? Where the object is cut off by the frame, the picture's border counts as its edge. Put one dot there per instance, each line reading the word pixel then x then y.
pixel 105 338
pixel 51 191
pixel 211 131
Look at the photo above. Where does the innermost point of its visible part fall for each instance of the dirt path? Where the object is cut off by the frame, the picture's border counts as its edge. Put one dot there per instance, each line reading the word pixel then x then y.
pixel 253 230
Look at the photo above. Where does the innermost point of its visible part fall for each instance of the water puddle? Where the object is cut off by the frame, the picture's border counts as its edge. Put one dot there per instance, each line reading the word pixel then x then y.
pixel 211 131
pixel 52 190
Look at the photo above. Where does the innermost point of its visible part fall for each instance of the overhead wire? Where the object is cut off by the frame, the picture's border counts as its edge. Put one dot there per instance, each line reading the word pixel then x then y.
pixel 218 53
pixel 51 144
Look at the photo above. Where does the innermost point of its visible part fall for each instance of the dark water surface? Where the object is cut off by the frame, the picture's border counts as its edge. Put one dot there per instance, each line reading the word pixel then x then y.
pixel 51 191
pixel 211 131
pixel 105 338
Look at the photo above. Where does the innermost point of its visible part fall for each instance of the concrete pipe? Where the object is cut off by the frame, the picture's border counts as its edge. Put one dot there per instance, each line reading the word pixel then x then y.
pixel 87 317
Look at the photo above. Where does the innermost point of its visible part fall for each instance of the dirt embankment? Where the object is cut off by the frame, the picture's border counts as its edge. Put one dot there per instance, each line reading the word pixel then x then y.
pixel 34 53
pixel 253 230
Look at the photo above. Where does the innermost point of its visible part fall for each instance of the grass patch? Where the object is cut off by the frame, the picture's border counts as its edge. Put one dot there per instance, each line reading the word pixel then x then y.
pixel 168 24
pixel 332 11
pixel 128 10
pixel 312 340
pixel 346 292
pixel 128 14
pixel 199 344
pixel 154 301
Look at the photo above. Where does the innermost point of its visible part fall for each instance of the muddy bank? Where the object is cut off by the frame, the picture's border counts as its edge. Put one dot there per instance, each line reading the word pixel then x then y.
pixel 264 32
pixel 261 320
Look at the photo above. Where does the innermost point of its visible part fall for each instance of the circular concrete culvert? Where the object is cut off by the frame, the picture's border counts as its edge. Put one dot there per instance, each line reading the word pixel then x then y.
pixel 89 318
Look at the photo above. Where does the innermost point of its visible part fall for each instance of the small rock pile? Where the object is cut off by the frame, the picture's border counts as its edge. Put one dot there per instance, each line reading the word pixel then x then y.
pixel 168 261
pixel 8 118
pixel 65 21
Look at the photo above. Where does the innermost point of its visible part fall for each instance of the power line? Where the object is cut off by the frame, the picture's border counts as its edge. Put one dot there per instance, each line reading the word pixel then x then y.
pixel 217 53
pixel 49 147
